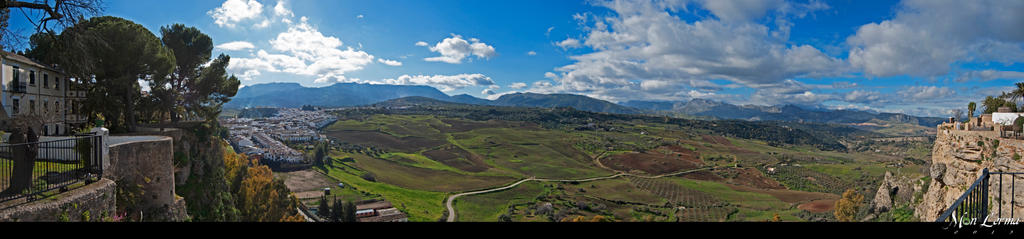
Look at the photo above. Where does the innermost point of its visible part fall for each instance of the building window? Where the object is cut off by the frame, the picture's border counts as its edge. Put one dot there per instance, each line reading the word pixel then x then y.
pixel 17 77
pixel 56 83
pixel 14 106
pixel 32 77
pixel 46 107
pixel 56 107
pixel 46 80
pixel 32 106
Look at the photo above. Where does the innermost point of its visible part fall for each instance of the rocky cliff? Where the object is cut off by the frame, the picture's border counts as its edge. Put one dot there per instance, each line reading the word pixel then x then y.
pixel 958 159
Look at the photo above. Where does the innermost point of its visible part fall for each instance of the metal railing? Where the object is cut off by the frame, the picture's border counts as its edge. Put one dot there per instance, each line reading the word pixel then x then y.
pixel 974 203
pixel 30 169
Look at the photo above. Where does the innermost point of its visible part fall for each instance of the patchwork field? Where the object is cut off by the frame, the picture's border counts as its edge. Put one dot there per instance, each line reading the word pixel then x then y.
pixel 417 160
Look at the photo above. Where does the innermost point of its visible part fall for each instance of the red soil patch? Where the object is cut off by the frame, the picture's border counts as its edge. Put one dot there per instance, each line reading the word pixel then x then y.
pixel 704 176
pixel 656 161
pixel 715 139
pixel 457 158
pixel 754 178
pixel 404 144
pixel 818 206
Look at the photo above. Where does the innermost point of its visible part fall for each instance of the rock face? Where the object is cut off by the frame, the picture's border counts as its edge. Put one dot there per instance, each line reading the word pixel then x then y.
pixel 958 159
pixel 894 192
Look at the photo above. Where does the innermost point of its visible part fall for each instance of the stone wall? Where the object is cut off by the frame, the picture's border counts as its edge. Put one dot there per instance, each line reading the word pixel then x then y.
pixel 958 159
pixel 97 198
pixel 146 162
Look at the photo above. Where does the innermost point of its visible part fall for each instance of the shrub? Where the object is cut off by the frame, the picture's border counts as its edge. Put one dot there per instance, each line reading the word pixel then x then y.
pixel 369 177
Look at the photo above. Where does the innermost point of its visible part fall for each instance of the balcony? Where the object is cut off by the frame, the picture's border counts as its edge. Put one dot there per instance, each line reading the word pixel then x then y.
pixel 19 87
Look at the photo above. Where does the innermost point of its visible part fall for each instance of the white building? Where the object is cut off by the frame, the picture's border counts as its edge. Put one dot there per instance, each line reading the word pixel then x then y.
pixel 31 88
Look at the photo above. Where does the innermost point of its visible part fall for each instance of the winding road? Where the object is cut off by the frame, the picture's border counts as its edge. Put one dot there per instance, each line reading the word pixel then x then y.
pixel 451 199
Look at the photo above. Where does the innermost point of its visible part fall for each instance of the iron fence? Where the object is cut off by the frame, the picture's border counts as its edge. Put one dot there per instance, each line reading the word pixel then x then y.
pixel 34 168
pixel 974 203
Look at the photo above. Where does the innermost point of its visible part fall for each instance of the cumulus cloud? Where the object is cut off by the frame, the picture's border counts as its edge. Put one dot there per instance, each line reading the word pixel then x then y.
pixel 236 46
pixel 927 36
pixel 863 97
pixel 643 47
pixel 444 83
pixel 925 93
pixel 232 12
pixel 303 50
pixel 281 10
pixel 569 43
pixel 454 49
pixel 422 43
pixel 517 85
pixel 389 62
pixel 531 53
pixel 987 75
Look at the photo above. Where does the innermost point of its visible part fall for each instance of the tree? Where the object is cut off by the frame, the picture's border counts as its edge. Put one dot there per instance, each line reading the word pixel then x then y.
pixel 192 49
pixel 970 109
pixel 337 211
pixel 211 89
pixel 109 55
pixel 846 207
pixel 55 14
pixel 992 104
pixel 957 114
pixel 350 212
pixel 324 210
pixel 1017 94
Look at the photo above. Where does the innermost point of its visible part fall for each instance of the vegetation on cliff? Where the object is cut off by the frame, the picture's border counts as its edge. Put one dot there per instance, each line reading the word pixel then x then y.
pixel 226 186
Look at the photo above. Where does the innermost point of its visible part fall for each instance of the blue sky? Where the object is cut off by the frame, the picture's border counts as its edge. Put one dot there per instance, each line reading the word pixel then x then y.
pixel 922 57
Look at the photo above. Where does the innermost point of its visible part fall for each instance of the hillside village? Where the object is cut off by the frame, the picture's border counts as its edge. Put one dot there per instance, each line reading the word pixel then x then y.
pixel 265 138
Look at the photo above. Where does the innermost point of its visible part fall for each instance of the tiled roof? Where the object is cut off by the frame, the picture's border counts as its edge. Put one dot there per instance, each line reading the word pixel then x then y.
pixel 12 56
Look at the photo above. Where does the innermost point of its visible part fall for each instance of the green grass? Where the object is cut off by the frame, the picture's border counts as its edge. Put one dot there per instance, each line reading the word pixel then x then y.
pixel 421 206
pixel 424 178
pixel 488 207
pixel 541 153
pixel 752 200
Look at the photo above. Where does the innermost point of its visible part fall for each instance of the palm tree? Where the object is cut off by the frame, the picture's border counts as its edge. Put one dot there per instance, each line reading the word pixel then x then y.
pixel 970 109
pixel 1018 93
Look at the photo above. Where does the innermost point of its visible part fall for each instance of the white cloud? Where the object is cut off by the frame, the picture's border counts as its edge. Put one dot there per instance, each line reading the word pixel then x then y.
pixel 454 49
pixel 360 16
pixel 987 75
pixel 389 62
pixel 864 97
pixel 236 45
pixel 741 10
pixel 926 37
pixel 281 10
pixel 444 83
pixel 232 12
pixel 487 92
pixel 422 43
pixel 263 24
pixel 569 43
pixel 925 93
pixel 643 51
pixel 517 85
pixel 304 50
pixel 531 53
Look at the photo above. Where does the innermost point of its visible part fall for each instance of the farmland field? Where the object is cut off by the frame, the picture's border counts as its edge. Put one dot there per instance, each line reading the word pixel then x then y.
pixel 416 160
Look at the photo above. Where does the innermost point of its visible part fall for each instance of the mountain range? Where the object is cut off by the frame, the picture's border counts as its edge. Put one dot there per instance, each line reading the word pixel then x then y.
pixel 293 95
pixel 791 113
pixel 353 94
